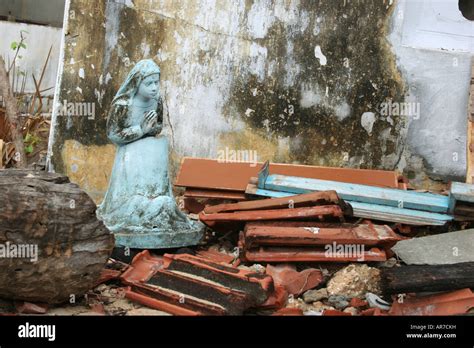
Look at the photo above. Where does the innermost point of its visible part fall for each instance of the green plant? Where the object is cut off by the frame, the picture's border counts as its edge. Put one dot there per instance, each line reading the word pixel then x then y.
pixel 31 140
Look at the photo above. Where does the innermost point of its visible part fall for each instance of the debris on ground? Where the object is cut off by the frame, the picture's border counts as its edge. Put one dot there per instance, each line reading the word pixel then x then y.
pixel 355 281
pixel 441 249
pixel 298 245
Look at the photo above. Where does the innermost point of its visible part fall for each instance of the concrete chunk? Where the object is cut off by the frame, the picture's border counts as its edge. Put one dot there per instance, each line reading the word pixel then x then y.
pixel 442 249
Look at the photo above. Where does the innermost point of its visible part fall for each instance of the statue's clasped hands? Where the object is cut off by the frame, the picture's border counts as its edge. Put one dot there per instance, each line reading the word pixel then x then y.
pixel 150 122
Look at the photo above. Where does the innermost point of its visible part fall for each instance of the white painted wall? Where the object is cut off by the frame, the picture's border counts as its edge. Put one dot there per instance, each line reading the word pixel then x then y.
pixel 433 45
pixel 436 24
pixel 38 41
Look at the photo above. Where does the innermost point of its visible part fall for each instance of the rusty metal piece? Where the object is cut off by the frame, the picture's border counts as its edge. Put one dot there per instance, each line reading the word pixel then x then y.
pixel 304 200
pixel 368 235
pixel 293 281
pixel 318 212
pixel 295 254
pixel 451 303
pixel 211 174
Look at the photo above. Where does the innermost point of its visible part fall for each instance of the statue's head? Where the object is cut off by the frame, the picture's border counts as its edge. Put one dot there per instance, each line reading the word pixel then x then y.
pixel 149 87
pixel 143 81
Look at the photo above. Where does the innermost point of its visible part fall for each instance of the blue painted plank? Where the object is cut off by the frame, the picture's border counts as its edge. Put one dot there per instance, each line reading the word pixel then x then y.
pixel 360 193
pixel 379 212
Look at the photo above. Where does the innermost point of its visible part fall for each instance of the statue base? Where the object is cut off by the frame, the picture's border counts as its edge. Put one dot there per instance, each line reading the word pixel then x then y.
pixel 161 239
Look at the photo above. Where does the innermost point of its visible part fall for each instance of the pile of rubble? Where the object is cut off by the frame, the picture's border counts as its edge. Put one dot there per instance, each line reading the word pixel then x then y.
pixel 301 240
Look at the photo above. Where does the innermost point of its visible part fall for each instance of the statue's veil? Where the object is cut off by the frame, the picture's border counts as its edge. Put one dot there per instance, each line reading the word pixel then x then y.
pixel 129 88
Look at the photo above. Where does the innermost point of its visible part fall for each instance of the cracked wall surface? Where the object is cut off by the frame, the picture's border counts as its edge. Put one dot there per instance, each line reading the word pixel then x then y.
pixel 298 81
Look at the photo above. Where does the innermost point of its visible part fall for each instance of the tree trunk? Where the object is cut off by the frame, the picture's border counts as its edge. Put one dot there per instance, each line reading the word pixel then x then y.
pixel 12 116
pixel 45 211
pixel 406 279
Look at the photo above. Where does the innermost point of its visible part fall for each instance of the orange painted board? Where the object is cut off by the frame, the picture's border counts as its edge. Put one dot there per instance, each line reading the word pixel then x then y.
pixel 212 174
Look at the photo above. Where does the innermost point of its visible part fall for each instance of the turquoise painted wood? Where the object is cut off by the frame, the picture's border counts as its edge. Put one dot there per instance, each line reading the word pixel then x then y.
pixel 360 193
pixel 379 212
pixel 460 192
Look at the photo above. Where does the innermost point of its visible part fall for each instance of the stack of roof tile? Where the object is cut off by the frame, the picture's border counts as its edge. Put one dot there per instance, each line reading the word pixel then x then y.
pixel 189 285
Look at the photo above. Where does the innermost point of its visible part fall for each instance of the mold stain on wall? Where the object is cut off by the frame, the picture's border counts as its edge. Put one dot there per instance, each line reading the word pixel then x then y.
pixel 322 73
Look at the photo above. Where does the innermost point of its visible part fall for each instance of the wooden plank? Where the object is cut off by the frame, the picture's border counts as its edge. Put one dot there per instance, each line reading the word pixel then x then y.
pixel 421 278
pixel 462 192
pixel 211 174
pixel 374 211
pixel 360 193
pixel 309 199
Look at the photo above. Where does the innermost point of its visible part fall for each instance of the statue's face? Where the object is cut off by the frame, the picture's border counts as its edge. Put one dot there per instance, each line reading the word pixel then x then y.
pixel 149 87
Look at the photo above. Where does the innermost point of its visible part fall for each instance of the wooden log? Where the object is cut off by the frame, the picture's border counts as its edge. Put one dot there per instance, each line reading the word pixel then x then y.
pixel 52 246
pixel 426 278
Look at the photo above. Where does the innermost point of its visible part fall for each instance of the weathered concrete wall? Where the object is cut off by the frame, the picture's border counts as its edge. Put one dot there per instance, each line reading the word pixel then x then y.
pixel 297 81
pixel 436 65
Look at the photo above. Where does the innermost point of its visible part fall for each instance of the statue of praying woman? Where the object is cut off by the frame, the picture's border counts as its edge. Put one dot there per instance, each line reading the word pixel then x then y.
pixel 139 207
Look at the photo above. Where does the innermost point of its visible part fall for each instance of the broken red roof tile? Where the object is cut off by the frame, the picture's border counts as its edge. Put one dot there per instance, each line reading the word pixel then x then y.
pixel 303 200
pixel 277 299
pixel 335 313
pixel 31 308
pixel 318 212
pixel 369 235
pixel 293 281
pixel 107 275
pixel 288 312
pixel 215 256
pixel 190 285
pixel 168 304
pixel 358 303
pixel 260 285
pixel 233 301
pixel 373 312
pixel 144 266
pixel 450 303
pixel 276 254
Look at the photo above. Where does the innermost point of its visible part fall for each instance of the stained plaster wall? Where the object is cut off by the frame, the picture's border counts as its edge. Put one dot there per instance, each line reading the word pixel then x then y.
pixel 296 81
